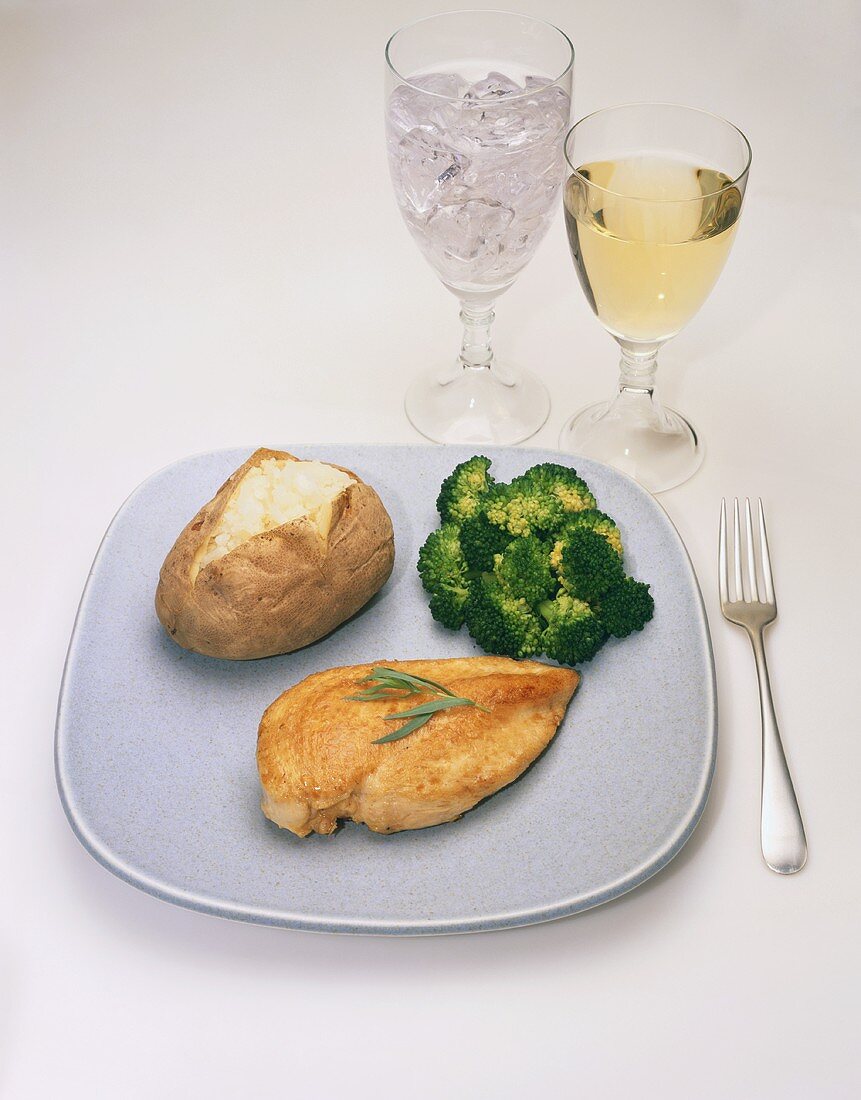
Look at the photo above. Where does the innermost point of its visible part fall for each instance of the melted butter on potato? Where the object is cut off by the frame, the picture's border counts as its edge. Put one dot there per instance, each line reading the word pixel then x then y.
pixel 272 494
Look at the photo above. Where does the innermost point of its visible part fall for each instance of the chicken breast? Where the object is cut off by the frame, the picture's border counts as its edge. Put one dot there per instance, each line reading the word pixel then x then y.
pixel 318 763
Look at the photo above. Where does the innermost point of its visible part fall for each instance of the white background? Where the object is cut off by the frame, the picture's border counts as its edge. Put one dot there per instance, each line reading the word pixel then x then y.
pixel 200 249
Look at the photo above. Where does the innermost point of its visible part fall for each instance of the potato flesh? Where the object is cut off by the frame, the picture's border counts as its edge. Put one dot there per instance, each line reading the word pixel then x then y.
pixel 274 493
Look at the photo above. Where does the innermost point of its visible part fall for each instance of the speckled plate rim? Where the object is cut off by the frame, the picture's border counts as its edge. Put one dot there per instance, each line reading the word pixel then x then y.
pixel 200 903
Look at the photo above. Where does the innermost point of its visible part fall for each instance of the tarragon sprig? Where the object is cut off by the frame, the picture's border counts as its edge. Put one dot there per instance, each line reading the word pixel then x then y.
pixel 387 683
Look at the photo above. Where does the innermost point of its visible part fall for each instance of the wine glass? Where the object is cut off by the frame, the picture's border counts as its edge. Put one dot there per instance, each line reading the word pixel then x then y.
pixel 651 208
pixel 477 105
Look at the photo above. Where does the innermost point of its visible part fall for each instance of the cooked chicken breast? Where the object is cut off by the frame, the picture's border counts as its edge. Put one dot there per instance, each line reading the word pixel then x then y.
pixel 318 763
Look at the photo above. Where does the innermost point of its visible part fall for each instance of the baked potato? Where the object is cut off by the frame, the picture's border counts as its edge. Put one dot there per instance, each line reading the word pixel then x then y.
pixel 284 552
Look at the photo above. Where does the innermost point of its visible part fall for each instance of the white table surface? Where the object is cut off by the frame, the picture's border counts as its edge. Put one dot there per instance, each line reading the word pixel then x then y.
pixel 200 249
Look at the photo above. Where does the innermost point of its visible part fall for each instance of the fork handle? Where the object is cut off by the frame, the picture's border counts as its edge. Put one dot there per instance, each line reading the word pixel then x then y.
pixel 784 845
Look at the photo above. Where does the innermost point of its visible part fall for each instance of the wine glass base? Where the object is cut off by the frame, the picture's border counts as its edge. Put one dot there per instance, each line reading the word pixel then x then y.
pixel 477 405
pixel 660 450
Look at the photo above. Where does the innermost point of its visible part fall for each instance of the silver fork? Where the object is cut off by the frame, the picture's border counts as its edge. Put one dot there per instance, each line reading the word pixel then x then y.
pixel 784 845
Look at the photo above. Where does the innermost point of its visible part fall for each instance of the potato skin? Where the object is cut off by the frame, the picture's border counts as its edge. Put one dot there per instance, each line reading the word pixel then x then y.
pixel 282 589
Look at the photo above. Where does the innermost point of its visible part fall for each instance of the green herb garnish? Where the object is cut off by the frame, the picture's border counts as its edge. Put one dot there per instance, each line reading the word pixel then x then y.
pixel 386 683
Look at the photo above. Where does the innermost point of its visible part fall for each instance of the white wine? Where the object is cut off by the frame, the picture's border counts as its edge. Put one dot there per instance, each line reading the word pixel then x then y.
pixel 649 236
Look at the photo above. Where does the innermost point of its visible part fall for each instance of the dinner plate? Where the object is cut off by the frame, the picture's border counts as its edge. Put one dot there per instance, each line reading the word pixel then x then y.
pixel 155 746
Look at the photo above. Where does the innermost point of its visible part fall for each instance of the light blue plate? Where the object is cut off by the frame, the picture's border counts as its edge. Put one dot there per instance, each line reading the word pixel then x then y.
pixel 155 747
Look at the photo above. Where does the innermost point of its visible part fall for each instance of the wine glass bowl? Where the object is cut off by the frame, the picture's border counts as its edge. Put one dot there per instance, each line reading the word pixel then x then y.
pixel 652 204
pixel 477 105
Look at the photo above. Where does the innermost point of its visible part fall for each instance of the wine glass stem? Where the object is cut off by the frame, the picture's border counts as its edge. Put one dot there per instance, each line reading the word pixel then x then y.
pixel 476 352
pixel 637 371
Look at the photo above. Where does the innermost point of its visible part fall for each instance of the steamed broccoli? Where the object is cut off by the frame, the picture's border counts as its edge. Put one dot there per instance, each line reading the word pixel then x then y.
pixel 628 606
pixel 481 541
pixel 523 569
pixel 588 566
pixel 571 491
pixel 523 510
pixel 573 632
pixel 531 566
pixel 443 573
pixel 502 623
pixel 461 491
pixel 593 519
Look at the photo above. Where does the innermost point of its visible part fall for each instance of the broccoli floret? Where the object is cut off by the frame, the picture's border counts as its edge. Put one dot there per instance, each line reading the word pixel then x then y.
pixel 481 541
pixel 570 490
pixel 523 569
pixel 523 510
pixel 593 519
pixel 588 566
pixel 502 623
pixel 443 573
pixel 627 607
pixel 446 607
pixel 441 559
pixel 573 632
pixel 462 490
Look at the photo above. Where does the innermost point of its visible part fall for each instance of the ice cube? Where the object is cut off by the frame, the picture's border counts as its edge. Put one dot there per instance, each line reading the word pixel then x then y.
pixel 447 84
pixel 482 126
pixel 494 86
pixel 555 104
pixel 515 124
pixel 511 124
pixel 470 232
pixel 526 188
pixel 423 168
pixel 407 109
pixel 421 104
pixel 523 238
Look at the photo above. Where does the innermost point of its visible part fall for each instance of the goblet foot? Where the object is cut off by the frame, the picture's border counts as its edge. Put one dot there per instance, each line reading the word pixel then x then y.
pixel 636 434
pixel 489 404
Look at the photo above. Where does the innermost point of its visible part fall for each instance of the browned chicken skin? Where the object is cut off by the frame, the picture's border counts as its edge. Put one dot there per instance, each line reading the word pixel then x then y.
pixel 318 763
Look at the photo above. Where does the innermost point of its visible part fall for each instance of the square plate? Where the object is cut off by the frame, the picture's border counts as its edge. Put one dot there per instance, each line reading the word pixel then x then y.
pixel 155 746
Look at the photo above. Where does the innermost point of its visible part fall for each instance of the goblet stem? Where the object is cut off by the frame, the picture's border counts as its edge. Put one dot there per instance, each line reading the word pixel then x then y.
pixel 637 369
pixel 636 402
pixel 476 351
pixel 634 432
pixel 477 399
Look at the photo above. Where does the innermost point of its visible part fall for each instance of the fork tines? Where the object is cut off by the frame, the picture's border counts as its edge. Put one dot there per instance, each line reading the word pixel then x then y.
pixel 758 585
